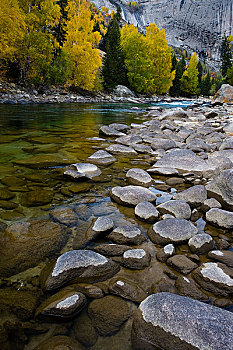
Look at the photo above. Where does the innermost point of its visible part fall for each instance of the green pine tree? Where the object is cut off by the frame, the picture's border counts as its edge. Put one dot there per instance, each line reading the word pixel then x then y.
pixel 206 85
pixel 113 71
pixel 226 56
pixel 175 90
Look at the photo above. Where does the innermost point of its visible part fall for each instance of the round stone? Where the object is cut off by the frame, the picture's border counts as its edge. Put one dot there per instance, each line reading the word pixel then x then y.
pixel 121 150
pixel 132 195
pixel 136 259
pixel 102 158
pixel 127 235
pixel 201 243
pixel 146 211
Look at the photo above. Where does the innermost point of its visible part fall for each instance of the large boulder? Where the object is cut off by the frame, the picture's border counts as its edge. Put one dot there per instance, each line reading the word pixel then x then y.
pixel 123 91
pixel 174 114
pixel 81 266
pixel 132 195
pixel 224 95
pixel 24 244
pixel 167 321
pixel 221 188
pixel 172 231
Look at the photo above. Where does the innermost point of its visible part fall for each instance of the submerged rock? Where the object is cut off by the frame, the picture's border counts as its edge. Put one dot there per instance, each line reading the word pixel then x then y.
pixel 127 290
pixel 172 231
pixel 181 264
pixel 169 321
pixel 108 314
pixel 102 158
pixel 136 259
pixel 223 256
pixel 132 195
pixel 64 304
pixel 187 287
pixel 60 342
pixel 81 266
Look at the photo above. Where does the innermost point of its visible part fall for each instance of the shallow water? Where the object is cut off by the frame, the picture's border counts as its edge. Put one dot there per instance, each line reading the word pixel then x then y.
pixel 36 141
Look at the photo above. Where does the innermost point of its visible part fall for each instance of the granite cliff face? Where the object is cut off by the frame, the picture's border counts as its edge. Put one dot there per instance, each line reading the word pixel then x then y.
pixel 197 25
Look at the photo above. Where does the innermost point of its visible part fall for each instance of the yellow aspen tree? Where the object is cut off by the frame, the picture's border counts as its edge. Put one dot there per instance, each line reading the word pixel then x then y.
pixel 12 29
pixel 160 55
pixel 80 45
pixel 189 80
pixel 136 59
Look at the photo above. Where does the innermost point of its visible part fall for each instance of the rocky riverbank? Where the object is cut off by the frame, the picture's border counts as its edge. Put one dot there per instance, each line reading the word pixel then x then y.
pixel 149 261
pixel 11 93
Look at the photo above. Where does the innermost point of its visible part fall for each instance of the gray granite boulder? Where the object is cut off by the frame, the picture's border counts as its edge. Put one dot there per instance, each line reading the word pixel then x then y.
pixel 178 208
pixel 181 264
pixel 142 148
pixel 172 231
pixel 201 243
pixel 139 177
pixel 174 114
pixel 223 256
pixel 101 226
pixel 81 266
pixel 64 304
pixel 129 140
pixel 110 132
pixel 163 171
pixel 215 277
pixel 172 322
pixel 166 252
pixel 146 211
pixel 132 195
pixel 221 188
pixel 102 158
pixel 83 170
pixel 126 235
pixel 227 144
pixel 136 259
pixel 195 195
pixel 121 150
pixel 220 218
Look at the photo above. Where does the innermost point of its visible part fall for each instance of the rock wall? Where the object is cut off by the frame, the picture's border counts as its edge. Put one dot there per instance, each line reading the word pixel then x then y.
pixel 193 24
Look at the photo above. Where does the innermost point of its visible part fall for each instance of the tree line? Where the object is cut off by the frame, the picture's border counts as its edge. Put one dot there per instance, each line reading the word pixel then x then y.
pixel 58 42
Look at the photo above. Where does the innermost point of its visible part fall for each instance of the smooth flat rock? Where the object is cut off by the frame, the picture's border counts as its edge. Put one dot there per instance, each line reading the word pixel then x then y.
pixel 146 211
pixel 188 288
pixel 83 330
pixel 44 161
pixel 111 249
pixel 139 177
pixel 181 264
pixel 127 235
pixel 128 290
pixel 215 277
pixel 163 171
pixel 168 321
pixel 37 197
pixel 182 160
pixel 66 216
pixel 220 218
pixel 201 243
pixel 223 256
pixel 136 259
pixel 221 188
pixel 64 304
pixel 178 208
pixel 81 266
pixel 172 231
pixel 142 148
pixel 108 131
pixel 108 314
pixel 121 150
pixel 87 169
pixel 131 195
pixel 195 195
pixel 101 158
